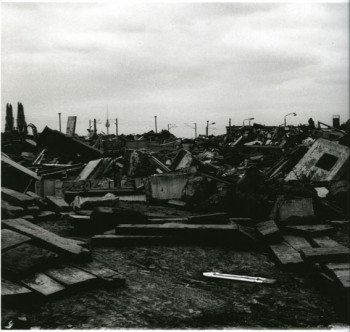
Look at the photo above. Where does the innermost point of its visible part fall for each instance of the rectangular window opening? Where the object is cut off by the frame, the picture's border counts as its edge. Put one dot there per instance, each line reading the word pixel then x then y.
pixel 327 161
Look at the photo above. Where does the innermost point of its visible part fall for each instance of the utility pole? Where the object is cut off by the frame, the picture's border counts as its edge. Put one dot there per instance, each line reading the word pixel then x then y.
pixel 229 122
pixel 207 127
pixel 116 127
pixel 59 121
pixel 171 125
pixel 95 128
pixel 155 122
pixel 195 128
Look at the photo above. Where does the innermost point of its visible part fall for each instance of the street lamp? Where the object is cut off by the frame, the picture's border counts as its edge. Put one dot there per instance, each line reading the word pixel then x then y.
pixel 207 128
pixel 249 121
pixel 155 122
pixel 285 117
pixel 59 120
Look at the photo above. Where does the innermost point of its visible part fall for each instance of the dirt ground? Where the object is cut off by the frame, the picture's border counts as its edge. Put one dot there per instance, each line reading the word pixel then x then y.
pixel 165 289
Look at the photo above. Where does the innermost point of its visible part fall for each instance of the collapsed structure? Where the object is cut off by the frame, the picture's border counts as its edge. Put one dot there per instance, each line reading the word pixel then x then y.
pixel 282 189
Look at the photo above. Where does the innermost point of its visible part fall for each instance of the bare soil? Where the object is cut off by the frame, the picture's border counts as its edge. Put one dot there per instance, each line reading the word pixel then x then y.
pixel 166 290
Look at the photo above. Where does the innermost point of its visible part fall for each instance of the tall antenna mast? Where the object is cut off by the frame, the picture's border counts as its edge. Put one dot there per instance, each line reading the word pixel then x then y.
pixel 107 122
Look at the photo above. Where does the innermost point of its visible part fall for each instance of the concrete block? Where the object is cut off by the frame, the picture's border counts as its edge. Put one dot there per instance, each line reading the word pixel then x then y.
pixel 324 161
pixel 168 186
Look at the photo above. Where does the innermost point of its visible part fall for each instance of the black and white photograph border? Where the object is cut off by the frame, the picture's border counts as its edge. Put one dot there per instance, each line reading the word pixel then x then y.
pixel 175 165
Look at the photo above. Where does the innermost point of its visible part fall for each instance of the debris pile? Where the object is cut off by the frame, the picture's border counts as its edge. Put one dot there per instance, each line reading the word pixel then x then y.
pixel 281 189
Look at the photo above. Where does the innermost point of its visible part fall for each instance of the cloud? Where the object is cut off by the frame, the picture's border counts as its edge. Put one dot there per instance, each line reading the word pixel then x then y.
pixel 182 62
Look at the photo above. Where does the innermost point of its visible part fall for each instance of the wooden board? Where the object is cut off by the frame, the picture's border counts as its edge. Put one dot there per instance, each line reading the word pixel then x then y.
pixel 178 229
pixel 11 210
pixel 70 276
pixel 326 255
pixel 325 242
pixel 43 284
pixel 297 242
pixel 58 244
pixel 310 230
pixel 286 256
pixel 16 197
pixel 268 230
pixel 213 218
pixel 340 273
pixel 102 272
pixel 127 240
pixel 11 239
pixel 88 169
pixel 10 289
pixel 20 168
pixel 25 259
pixel 57 203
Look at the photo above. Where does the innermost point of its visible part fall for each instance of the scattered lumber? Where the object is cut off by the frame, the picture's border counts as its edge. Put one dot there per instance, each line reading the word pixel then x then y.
pixel 11 239
pixel 340 273
pixel 16 197
pixel 286 256
pixel 57 203
pixel 269 231
pixel 20 168
pixel 112 240
pixel 213 218
pixel 24 259
pixel 310 230
pixel 11 211
pixel 326 242
pixel 70 276
pixel 43 284
pixel 297 242
pixel 102 272
pixel 177 229
pixel 58 244
pixel 326 255
pixel 13 293
pixel 46 215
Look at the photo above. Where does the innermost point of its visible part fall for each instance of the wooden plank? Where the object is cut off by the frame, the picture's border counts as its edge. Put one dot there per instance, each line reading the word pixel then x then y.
pixel 326 255
pixel 102 272
pixel 20 168
pixel 325 242
pixel 70 276
pixel 88 169
pixel 43 284
pixel 297 242
pixel 11 210
pixel 286 256
pixel 57 203
pixel 340 273
pixel 16 197
pixel 11 289
pixel 56 243
pixel 213 218
pixel 268 230
pixel 46 215
pixel 112 240
pixel 25 259
pixel 310 230
pixel 178 229
pixel 11 239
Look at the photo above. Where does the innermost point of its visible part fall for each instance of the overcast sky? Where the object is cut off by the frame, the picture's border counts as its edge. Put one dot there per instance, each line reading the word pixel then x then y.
pixel 180 62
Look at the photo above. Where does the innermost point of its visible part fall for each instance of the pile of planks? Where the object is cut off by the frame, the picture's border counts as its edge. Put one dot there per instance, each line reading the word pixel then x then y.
pixel 36 262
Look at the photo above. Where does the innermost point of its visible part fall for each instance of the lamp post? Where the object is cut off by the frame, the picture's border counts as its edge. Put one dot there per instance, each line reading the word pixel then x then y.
pixel 155 122
pixel 285 117
pixel 207 127
pixel 249 121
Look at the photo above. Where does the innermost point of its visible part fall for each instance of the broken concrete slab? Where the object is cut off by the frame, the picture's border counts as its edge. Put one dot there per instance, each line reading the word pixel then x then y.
pixel 57 203
pixel 298 207
pixel 168 186
pixel 287 257
pixel 183 159
pixel 89 169
pixel 325 242
pixel 324 161
pixel 297 242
